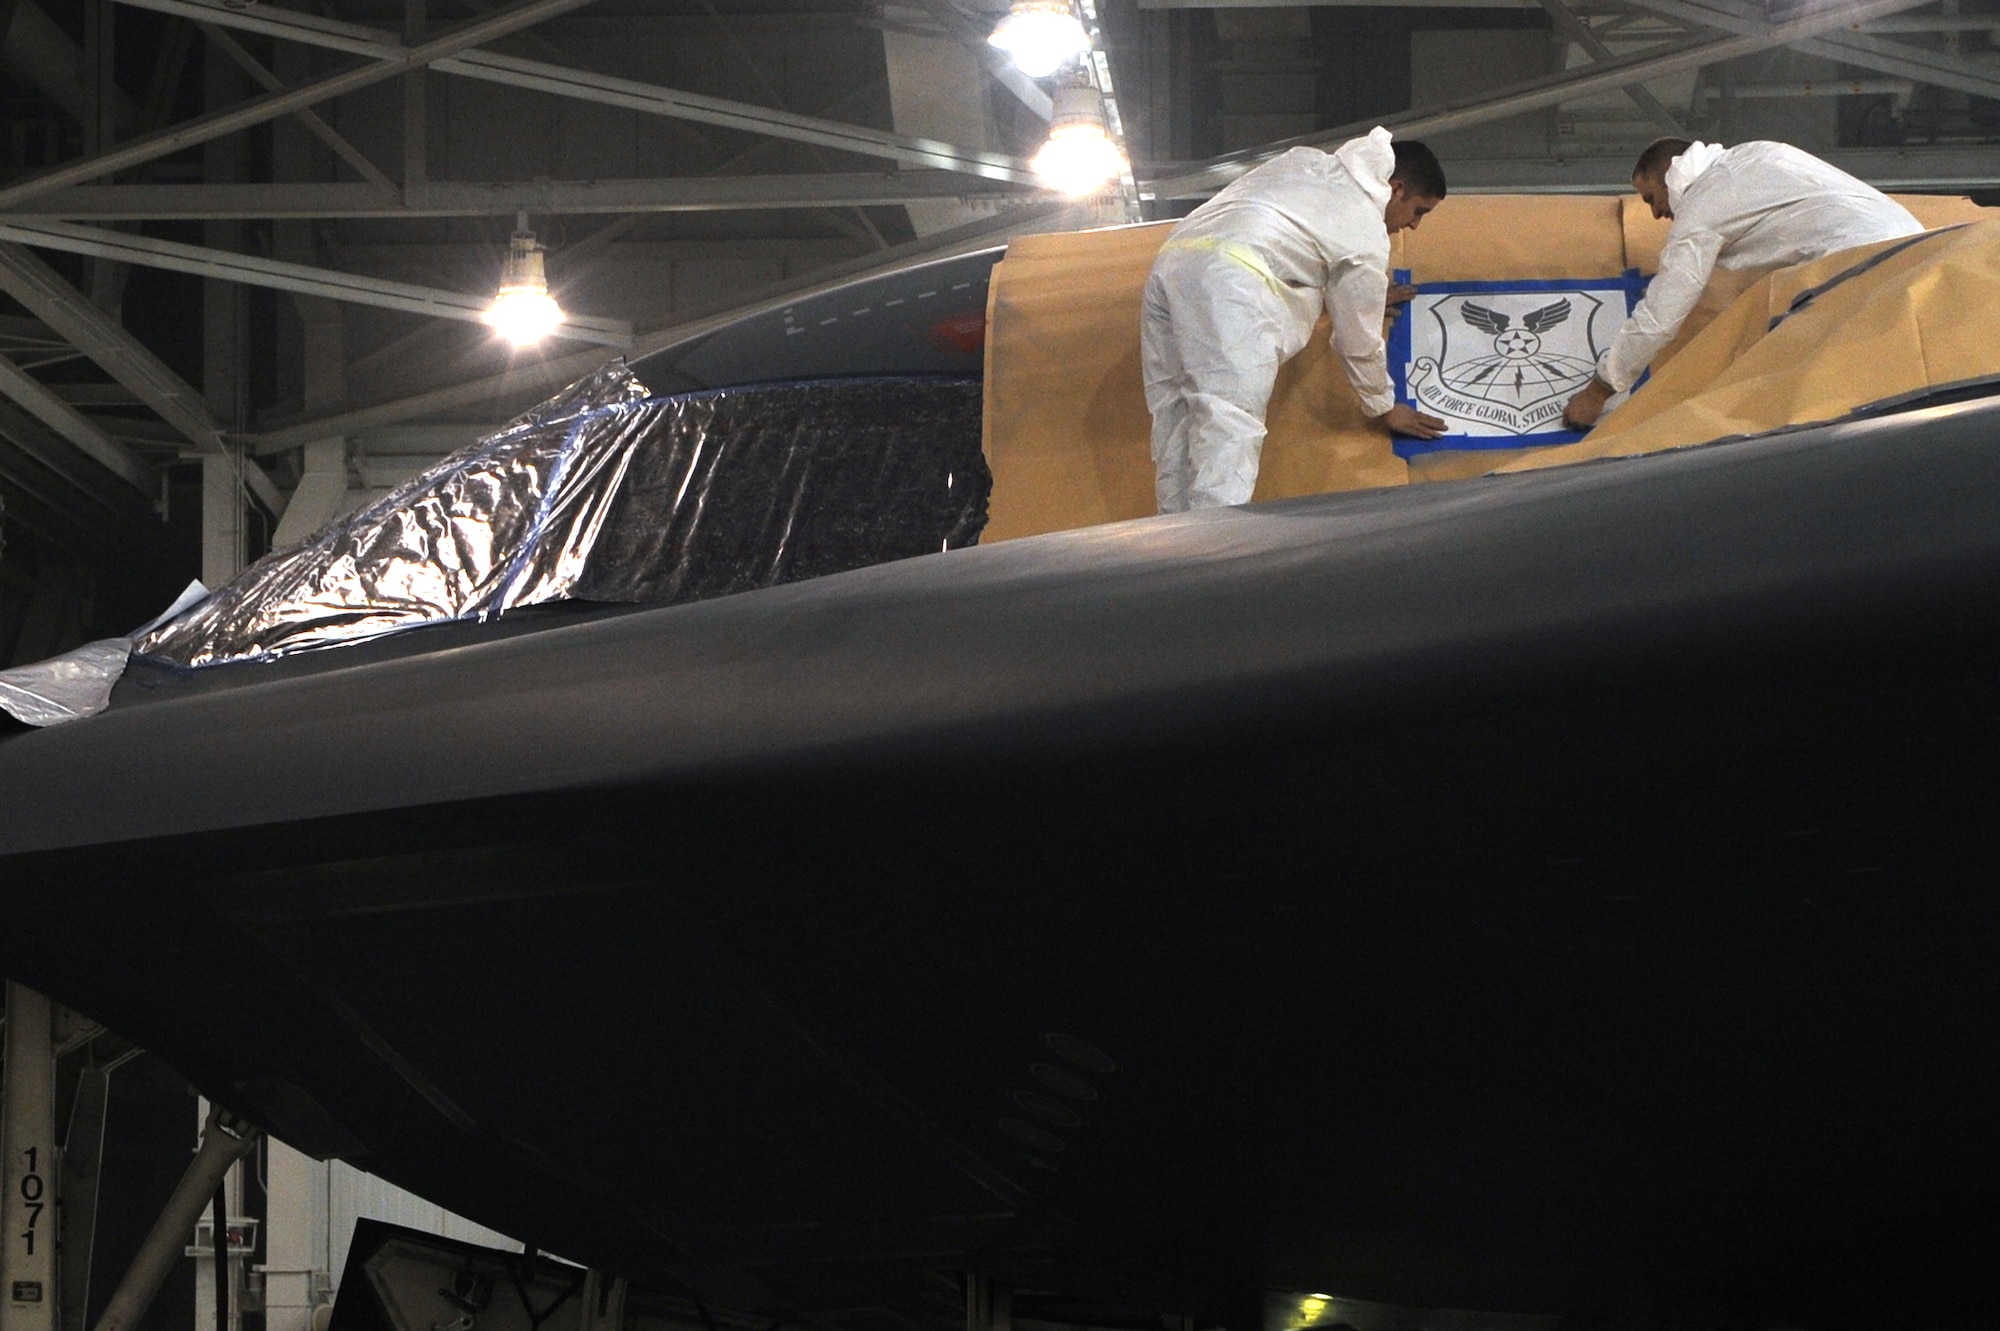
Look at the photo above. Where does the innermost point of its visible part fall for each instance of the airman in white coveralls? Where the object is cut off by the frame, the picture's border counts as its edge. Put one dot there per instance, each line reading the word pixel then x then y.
pixel 1238 287
pixel 1757 205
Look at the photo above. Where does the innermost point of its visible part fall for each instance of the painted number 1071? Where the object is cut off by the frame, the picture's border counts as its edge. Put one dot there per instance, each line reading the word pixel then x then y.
pixel 33 1190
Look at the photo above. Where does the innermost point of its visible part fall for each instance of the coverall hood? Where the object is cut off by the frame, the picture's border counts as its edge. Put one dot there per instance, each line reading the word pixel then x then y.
pixel 1371 161
pixel 1687 168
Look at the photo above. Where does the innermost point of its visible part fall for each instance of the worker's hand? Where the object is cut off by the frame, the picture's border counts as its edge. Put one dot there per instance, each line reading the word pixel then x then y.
pixel 1399 296
pixel 1584 409
pixel 1406 419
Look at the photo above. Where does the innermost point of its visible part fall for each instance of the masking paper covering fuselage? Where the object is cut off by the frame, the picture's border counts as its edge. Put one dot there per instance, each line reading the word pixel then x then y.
pixel 1067 431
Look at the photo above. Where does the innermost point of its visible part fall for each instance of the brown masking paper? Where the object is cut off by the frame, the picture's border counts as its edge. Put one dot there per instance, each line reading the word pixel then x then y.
pixel 1914 319
pixel 1066 427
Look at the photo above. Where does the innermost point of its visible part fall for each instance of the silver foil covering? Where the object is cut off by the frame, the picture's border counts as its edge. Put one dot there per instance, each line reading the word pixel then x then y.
pixel 604 494
pixel 503 523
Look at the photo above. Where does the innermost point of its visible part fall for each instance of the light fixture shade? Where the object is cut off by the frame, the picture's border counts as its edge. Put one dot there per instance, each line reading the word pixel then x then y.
pixel 1041 35
pixel 523 311
pixel 1079 158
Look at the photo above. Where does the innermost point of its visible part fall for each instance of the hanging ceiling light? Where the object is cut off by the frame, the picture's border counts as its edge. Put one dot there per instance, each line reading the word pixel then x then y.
pixel 523 311
pixel 1041 35
pixel 1079 157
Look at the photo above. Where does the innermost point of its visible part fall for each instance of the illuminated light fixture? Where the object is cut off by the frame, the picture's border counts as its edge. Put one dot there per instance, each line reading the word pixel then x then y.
pixel 1079 157
pixel 523 311
pixel 1041 35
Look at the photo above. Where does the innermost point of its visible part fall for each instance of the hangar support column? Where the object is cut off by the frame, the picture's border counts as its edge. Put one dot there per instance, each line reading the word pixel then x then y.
pixel 936 91
pixel 225 344
pixel 296 1281
pixel 28 1211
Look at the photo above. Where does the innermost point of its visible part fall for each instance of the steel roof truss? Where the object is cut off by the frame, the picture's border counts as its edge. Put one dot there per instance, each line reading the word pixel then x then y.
pixel 1579 31
pixel 332 199
pixel 1548 90
pixel 70 314
pixel 40 402
pixel 1937 68
pixel 628 94
pixel 225 266
pixel 229 120
pixel 319 129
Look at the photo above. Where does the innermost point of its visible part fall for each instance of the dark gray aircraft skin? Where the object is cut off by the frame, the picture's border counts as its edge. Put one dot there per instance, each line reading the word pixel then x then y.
pixel 1567 893
pixel 926 319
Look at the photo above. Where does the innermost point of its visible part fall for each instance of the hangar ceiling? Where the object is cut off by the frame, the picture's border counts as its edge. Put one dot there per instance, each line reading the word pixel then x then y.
pixel 244 243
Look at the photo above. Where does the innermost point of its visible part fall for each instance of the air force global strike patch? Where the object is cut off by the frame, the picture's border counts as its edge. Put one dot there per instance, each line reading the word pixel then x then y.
pixel 1504 365
pixel 1498 361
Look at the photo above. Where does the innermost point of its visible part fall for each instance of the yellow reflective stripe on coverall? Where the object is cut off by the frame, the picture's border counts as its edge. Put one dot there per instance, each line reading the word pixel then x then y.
pixel 1234 250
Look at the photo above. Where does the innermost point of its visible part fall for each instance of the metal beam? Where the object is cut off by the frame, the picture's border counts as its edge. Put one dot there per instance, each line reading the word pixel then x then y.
pixel 861 225
pixel 1937 68
pixel 73 425
pixel 416 111
pixel 394 62
pixel 59 305
pixel 1570 25
pixel 39 52
pixel 42 290
pixel 49 453
pixel 225 1140
pixel 1952 170
pixel 251 271
pixel 650 99
pixel 82 1168
pixel 1535 94
pixel 548 376
pixel 505 198
pixel 320 130
pixel 290 24
pixel 38 465
pixel 628 94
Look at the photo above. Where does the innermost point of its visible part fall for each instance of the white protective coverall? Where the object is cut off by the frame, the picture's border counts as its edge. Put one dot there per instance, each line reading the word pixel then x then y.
pixel 1236 291
pixel 1757 205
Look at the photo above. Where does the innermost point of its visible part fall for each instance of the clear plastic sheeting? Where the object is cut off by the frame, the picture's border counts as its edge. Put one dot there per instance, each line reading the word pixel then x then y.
pixel 78 683
pixel 65 688
pixel 605 494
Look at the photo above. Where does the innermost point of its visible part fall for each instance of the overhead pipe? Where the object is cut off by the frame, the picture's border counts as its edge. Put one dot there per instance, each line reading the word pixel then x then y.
pixel 225 1139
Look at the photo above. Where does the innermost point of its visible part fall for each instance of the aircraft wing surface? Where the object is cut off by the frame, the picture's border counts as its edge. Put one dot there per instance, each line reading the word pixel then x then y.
pixel 1564 893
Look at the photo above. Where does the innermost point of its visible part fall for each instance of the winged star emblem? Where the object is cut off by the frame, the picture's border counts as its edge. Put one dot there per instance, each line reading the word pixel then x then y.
pixel 1516 343
pixel 1536 359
